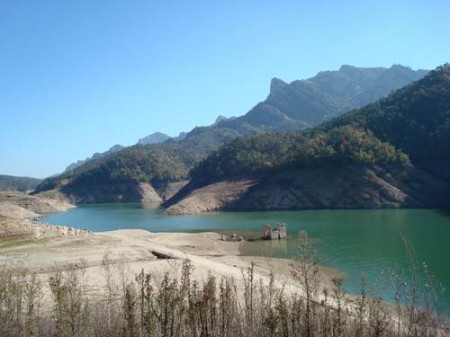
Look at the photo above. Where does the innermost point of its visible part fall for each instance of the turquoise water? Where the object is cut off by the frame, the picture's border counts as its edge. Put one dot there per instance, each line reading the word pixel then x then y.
pixel 357 242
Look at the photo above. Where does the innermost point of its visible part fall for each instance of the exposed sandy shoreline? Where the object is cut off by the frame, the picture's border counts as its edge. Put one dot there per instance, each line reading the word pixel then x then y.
pixel 132 248
pixel 42 248
pixel 19 211
pixel 26 244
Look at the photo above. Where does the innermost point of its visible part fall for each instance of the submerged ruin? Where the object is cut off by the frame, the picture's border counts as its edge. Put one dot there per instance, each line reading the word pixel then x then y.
pixel 277 233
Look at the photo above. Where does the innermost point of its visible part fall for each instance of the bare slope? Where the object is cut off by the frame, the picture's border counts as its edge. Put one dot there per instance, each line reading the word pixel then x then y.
pixel 17 213
pixel 360 187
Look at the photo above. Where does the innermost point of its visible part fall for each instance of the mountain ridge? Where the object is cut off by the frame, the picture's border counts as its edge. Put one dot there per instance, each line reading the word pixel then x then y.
pixel 348 155
pixel 97 155
pixel 288 107
pixel 14 183
pixel 154 138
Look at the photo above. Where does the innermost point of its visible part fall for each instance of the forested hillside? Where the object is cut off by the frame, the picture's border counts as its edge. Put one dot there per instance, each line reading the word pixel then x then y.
pixel 416 119
pixel 288 107
pixel 391 153
pixel 21 184
pixel 274 152
pixel 170 161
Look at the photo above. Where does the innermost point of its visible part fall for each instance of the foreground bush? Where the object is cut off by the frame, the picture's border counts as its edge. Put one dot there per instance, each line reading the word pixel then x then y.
pixel 177 305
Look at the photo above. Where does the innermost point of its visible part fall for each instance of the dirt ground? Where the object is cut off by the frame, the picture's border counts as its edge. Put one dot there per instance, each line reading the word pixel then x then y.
pixel 133 250
pixel 42 248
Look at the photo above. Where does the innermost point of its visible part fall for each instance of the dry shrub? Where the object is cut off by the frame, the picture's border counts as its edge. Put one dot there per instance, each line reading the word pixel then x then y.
pixel 147 306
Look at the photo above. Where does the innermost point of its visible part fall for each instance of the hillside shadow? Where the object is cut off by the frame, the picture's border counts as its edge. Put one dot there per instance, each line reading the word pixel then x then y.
pixel 428 186
pixel 444 211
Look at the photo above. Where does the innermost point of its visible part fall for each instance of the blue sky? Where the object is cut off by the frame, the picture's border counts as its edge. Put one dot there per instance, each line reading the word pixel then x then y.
pixel 77 77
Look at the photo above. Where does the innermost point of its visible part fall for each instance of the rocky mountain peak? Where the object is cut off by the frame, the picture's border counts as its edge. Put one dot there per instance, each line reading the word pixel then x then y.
pixel 276 84
pixel 154 138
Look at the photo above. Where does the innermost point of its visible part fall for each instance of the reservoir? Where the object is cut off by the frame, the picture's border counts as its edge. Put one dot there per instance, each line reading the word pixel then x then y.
pixel 357 242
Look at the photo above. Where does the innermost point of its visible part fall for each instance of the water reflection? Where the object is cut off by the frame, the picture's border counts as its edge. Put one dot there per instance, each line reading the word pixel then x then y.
pixel 267 248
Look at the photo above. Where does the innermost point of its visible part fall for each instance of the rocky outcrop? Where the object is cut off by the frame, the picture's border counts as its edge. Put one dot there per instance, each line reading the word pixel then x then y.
pixel 316 188
pixel 306 103
pixel 214 197
pixel 276 84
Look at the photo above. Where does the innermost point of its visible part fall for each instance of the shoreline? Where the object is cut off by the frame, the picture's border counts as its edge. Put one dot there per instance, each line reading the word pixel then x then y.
pixel 134 247
pixel 46 248
pixel 43 248
pixel 130 252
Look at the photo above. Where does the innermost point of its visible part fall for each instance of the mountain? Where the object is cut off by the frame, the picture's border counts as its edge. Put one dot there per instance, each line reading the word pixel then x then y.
pixel 125 176
pixel 306 103
pixel 181 136
pixel 416 118
pixel 391 153
pixel 113 149
pixel 154 138
pixel 22 184
pixel 298 105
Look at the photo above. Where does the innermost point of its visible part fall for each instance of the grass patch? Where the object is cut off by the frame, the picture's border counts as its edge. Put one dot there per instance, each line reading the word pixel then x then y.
pixel 7 244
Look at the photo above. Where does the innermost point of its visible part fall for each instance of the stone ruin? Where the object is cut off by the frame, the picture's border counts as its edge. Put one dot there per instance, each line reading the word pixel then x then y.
pixel 277 233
